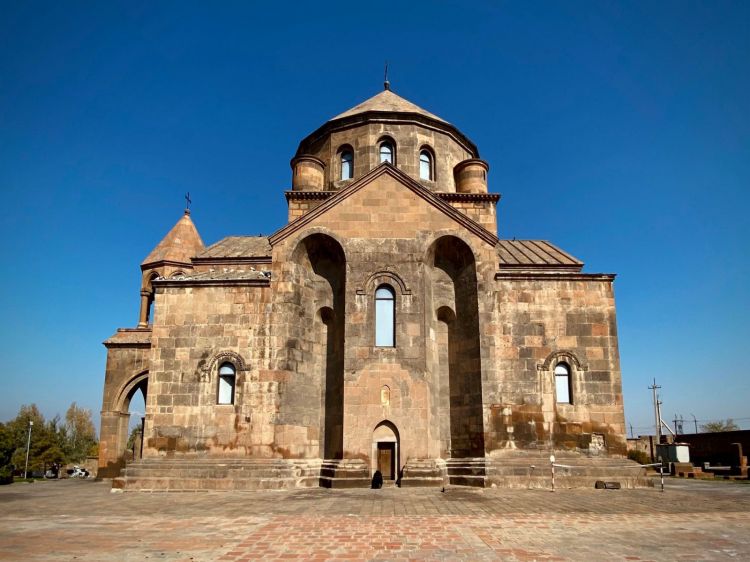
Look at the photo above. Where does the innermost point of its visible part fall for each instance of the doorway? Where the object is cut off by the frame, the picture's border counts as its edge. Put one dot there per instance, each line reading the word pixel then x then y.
pixel 386 451
pixel 387 460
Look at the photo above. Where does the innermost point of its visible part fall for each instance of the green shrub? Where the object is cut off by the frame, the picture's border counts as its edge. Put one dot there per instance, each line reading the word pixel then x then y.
pixel 6 475
pixel 639 456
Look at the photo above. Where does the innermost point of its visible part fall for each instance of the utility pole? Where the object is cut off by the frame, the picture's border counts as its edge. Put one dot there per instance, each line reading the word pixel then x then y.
pixel 631 431
pixel 28 446
pixel 695 421
pixel 657 417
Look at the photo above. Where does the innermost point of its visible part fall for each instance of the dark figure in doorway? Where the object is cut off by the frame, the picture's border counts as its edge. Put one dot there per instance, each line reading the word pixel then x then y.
pixel 377 480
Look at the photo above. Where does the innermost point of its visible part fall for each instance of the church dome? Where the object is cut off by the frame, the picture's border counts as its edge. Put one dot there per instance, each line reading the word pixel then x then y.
pixel 383 128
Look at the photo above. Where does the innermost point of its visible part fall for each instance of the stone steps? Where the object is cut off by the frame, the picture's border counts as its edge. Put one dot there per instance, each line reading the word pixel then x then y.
pixel 510 469
pixel 467 472
pixel 345 473
pixel 205 475
pixel 423 473
pixel 513 469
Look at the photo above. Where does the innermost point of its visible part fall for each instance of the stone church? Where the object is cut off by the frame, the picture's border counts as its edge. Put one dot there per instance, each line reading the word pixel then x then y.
pixel 384 332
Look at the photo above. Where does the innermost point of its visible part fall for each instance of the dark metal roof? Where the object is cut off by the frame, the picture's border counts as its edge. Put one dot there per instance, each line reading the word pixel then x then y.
pixel 238 247
pixel 534 253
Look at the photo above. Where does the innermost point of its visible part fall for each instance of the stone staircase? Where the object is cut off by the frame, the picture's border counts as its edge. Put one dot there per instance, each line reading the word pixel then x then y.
pixel 345 473
pixel 506 469
pixel 423 473
pixel 467 472
pixel 172 475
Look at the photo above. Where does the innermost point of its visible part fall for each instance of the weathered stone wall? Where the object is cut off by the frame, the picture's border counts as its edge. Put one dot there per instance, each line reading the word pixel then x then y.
pixel 301 205
pixel 482 211
pixel 386 232
pixel 195 330
pixel 540 321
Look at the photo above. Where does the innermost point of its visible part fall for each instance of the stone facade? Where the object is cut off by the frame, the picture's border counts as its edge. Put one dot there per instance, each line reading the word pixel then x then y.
pixel 480 327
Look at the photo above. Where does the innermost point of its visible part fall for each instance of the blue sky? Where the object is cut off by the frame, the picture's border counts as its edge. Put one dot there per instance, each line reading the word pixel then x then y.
pixel 620 132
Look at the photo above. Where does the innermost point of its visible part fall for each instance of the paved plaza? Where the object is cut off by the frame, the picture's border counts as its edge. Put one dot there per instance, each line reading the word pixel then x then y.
pixel 83 520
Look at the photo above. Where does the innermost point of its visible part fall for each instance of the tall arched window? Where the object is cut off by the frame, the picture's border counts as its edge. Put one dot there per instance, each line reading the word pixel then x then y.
pixel 347 164
pixel 227 378
pixel 426 165
pixel 385 317
pixel 562 384
pixel 387 152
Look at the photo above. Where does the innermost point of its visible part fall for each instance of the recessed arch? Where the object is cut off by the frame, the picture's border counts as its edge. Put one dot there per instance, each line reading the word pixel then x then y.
pixel 562 356
pixel 126 391
pixel 317 283
pixel 445 314
pixel 300 246
pixel 386 450
pixel 383 277
pixel 207 370
pixel 453 281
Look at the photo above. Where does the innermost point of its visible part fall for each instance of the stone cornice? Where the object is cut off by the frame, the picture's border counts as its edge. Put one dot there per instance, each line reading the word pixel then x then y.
pixel 161 263
pixel 450 197
pixel 171 283
pixel 317 195
pixel 554 275
pixel 132 338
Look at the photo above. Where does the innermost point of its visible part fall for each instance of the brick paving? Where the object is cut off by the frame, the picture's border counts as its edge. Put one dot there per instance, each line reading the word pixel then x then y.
pixel 78 520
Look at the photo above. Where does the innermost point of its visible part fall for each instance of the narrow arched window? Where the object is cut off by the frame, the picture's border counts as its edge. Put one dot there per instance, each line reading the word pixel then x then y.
pixel 347 164
pixel 425 165
pixel 385 317
pixel 562 384
pixel 227 378
pixel 386 152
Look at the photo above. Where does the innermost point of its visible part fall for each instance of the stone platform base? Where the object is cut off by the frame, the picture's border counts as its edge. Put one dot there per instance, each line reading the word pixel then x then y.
pixel 532 469
pixel 178 475
pixel 506 469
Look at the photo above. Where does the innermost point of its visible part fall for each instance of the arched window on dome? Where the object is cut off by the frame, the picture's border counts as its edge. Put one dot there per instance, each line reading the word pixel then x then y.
pixel 387 152
pixel 385 316
pixel 347 164
pixel 562 384
pixel 426 165
pixel 227 378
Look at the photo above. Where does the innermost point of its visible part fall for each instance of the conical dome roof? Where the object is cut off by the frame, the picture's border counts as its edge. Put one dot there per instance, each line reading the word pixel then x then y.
pixel 179 245
pixel 387 101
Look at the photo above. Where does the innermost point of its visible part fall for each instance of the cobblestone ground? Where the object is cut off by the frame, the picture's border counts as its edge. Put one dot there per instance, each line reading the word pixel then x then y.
pixel 78 520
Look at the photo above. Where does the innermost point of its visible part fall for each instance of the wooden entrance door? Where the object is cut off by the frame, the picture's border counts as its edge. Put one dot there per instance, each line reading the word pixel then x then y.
pixel 387 460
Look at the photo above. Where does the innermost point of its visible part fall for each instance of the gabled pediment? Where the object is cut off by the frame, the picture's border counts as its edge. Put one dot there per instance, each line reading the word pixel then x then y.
pixel 402 179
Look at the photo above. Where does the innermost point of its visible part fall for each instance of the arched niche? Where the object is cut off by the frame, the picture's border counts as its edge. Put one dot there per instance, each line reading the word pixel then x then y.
pixel 453 280
pixel 318 285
